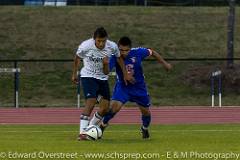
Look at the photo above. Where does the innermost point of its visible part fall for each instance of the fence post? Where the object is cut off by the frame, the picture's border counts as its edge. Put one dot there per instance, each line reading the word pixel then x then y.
pixel 16 84
pixel 145 3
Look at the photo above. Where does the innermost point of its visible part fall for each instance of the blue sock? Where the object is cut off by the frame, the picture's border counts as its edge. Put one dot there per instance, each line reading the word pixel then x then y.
pixel 108 117
pixel 146 121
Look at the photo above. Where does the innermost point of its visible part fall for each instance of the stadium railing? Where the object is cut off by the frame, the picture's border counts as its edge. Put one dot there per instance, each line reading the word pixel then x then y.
pixel 47 82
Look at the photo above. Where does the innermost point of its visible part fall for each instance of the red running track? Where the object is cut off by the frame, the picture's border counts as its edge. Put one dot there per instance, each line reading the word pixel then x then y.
pixel 160 115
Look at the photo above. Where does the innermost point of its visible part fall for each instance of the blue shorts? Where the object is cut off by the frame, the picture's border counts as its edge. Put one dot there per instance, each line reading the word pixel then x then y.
pixel 138 94
pixel 93 87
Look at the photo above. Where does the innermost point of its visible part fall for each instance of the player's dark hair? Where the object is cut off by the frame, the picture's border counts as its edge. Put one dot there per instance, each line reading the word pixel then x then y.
pixel 125 41
pixel 100 33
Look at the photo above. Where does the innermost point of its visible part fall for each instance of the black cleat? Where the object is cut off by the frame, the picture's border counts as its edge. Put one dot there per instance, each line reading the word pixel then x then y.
pixel 103 127
pixel 145 133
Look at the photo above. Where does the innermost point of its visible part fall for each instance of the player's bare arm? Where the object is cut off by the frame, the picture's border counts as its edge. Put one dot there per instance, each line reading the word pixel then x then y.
pixel 159 58
pixel 75 69
pixel 127 77
pixel 106 65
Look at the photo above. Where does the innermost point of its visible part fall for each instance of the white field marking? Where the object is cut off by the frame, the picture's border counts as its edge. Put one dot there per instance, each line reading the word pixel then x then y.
pixel 125 131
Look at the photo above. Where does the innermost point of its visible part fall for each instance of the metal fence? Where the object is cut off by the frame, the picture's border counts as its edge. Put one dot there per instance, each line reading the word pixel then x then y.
pixel 47 83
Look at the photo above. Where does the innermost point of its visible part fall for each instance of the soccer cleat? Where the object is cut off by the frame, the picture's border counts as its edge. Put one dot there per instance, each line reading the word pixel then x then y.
pixel 83 137
pixel 103 127
pixel 145 133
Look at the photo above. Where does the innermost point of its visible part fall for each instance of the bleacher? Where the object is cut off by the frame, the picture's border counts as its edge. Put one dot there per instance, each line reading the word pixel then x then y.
pixel 45 2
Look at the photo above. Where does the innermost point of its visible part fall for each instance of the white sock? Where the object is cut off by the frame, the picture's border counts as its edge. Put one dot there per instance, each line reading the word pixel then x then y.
pixel 145 128
pixel 84 121
pixel 96 119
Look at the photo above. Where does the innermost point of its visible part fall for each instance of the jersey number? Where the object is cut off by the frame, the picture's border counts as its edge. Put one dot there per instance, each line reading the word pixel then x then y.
pixel 130 69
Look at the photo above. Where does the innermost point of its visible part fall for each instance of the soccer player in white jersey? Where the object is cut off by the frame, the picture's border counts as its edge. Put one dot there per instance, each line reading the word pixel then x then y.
pixel 94 75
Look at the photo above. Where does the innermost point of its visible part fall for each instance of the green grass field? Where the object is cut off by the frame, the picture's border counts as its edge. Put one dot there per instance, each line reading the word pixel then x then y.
pixel 167 142
pixel 51 32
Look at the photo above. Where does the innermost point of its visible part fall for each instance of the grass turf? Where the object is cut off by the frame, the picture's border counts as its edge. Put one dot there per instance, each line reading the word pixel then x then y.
pixel 166 141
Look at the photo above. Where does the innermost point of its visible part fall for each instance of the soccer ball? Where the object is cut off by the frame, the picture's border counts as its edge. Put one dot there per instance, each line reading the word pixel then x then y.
pixel 93 132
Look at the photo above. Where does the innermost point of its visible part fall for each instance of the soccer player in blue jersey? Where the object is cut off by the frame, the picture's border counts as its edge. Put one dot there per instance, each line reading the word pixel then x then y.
pixel 137 91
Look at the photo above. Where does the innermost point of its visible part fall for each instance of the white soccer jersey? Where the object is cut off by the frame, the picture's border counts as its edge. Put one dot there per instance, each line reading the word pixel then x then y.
pixel 92 58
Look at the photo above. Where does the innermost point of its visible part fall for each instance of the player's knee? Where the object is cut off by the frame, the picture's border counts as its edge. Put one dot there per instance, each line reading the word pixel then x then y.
pixel 90 102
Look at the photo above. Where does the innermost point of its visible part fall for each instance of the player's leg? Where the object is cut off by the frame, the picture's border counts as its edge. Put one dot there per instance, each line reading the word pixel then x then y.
pixel 98 115
pixel 85 115
pixel 104 91
pixel 90 92
pixel 119 98
pixel 115 107
pixel 146 120
pixel 144 103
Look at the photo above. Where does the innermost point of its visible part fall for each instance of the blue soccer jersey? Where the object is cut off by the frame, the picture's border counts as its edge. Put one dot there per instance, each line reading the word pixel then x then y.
pixel 136 92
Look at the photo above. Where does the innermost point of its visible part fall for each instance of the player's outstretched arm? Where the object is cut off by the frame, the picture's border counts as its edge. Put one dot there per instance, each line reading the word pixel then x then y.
pixel 159 58
pixel 106 65
pixel 75 69
pixel 127 77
